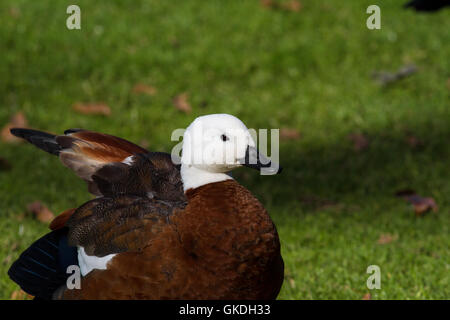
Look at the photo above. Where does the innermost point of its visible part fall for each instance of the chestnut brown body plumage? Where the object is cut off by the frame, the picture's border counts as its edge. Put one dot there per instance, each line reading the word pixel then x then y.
pixel 211 241
pixel 222 253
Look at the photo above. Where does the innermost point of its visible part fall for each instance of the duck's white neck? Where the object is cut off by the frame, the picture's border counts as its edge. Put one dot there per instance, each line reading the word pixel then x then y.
pixel 193 177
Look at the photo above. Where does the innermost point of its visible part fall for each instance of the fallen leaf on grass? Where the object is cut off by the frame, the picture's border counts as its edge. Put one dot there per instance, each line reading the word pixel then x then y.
pixel 413 141
pixel 18 120
pixel 203 104
pixel 4 164
pixel 20 217
pixel 360 141
pixel 292 283
pixel 267 3
pixel 181 103
pixel 292 5
pixel 7 260
pixel 20 295
pixel 385 78
pixel 421 204
pixel 289 134
pixel 14 246
pixel 448 83
pixel 41 212
pixel 142 88
pixel 244 175
pixel 367 296
pixel 386 238
pixel 14 12
pixel 92 108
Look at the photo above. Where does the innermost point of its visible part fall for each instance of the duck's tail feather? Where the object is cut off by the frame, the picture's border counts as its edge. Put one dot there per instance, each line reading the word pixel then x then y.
pixel 40 139
pixel 41 269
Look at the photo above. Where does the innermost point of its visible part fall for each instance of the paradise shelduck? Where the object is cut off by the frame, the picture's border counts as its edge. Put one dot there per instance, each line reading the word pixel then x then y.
pixel 157 230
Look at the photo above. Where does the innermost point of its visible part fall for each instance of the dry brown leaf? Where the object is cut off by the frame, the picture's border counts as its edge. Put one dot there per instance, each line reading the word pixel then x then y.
pixel 367 296
pixel 360 141
pixel 20 217
pixel 289 134
pixel 8 259
pixel 386 238
pixel 413 141
pixel 385 78
pixel 4 164
pixel 142 88
pixel 14 12
pixel 18 120
pixel 203 104
pixel 92 108
pixel 421 204
pixel 41 212
pixel 448 83
pixel 267 3
pixel 244 175
pixel 292 5
pixel 292 283
pixel 14 246
pixel 181 103
pixel 20 295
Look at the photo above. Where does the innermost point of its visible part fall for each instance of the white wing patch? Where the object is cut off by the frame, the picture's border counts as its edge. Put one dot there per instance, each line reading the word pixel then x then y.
pixel 88 263
pixel 128 160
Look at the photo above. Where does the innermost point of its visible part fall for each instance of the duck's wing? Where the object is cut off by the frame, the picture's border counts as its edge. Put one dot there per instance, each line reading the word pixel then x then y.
pixel 151 176
pixel 125 223
pixel 82 151
pixel 101 227
pixel 133 234
pixel 61 219
pixel 110 159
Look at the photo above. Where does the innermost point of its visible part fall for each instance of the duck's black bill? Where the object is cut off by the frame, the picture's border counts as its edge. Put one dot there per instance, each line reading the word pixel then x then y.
pixel 255 160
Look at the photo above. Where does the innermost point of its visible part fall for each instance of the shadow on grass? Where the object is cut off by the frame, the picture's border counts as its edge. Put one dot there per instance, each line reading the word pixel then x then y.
pixel 317 175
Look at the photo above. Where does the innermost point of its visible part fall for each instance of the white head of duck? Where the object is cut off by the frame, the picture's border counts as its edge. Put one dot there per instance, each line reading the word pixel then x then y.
pixel 215 144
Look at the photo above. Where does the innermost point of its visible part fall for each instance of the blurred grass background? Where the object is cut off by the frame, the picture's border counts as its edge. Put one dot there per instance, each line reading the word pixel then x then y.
pixel 308 70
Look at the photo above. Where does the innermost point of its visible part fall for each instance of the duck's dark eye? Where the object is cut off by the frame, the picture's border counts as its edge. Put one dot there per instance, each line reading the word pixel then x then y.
pixel 224 138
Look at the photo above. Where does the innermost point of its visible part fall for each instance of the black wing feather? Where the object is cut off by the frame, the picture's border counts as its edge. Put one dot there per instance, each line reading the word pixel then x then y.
pixel 41 269
pixel 42 140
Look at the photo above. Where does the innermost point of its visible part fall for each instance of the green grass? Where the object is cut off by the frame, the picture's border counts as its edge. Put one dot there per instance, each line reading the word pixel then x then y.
pixel 309 70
